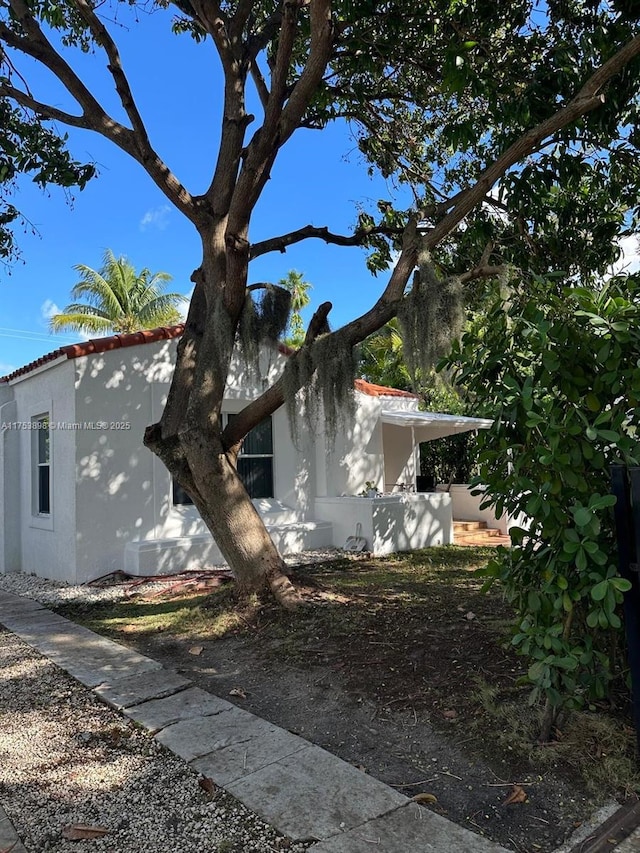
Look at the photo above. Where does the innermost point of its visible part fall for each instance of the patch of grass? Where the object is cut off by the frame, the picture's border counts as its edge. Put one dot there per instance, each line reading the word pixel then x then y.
pixel 597 747
pixel 188 616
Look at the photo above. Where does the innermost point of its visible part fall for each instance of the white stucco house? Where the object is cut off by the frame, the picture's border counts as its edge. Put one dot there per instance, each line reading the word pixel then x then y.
pixel 81 497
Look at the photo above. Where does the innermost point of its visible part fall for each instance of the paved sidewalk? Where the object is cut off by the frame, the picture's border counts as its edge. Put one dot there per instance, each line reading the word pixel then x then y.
pixel 8 836
pixel 303 791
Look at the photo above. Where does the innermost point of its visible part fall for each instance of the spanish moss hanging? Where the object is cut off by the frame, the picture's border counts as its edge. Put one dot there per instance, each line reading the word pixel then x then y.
pixel 318 381
pixel 431 317
pixel 262 321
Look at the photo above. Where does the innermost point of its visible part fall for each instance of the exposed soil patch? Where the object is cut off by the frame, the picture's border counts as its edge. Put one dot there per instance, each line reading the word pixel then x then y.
pixel 400 667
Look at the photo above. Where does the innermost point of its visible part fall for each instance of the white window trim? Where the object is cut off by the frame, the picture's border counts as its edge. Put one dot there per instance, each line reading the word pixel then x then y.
pixel 41 520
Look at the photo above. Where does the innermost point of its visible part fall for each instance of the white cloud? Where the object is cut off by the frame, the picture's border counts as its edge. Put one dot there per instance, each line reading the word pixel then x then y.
pixel 5 369
pixel 48 309
pixel 157 217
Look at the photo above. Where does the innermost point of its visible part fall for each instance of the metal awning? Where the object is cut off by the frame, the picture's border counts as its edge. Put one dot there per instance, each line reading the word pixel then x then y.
pixel 431 425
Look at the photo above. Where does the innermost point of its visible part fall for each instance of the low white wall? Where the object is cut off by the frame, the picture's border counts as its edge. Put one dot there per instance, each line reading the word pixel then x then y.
pixel 390 523
pixel 189 553
pixel 466 507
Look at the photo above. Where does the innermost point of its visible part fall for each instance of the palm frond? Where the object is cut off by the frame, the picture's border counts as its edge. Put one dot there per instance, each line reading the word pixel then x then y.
pixel 80 322
pixel 116 298
pixel 97 290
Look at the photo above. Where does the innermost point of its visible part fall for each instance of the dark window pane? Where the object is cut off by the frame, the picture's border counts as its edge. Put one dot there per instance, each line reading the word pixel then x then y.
pixel 257 476
pixel 259 440
pixel 44 501
pixel 180 497
pixel 43 440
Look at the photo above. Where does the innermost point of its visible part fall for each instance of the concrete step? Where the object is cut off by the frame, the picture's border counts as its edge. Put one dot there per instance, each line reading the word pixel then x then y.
pixel 484 542
pixel 462 524
pixel 477 533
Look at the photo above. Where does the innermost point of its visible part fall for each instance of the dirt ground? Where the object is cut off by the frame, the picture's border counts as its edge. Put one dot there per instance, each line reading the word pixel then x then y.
pixel 407 677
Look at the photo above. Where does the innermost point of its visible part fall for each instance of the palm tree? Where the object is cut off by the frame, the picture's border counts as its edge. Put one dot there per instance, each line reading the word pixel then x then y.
pixel 117 299
pixel 382 358
pixel 299 289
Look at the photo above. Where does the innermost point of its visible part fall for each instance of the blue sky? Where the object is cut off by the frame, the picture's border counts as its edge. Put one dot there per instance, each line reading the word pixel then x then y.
pixel 319 179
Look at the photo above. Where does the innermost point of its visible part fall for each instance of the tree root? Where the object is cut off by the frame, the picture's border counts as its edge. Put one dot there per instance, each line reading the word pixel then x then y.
pixel 284 592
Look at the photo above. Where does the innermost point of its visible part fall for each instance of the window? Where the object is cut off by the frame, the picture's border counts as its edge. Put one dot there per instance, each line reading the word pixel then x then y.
pixel 255 462
pixel 180 497
pixel 255 465
pixel 42 502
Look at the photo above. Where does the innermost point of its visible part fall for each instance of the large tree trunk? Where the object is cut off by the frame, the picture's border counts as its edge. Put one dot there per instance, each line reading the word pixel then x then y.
pixel 190 439
pixel 225 507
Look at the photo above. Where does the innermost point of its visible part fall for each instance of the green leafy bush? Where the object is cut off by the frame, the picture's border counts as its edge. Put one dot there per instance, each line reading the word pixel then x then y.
pixel 558 368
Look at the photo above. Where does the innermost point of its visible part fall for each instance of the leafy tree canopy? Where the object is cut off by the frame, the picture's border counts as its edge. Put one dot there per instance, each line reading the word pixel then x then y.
pixel 557 370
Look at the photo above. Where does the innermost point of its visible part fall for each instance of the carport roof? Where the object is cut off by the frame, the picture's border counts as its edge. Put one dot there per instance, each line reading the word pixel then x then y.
pixel 433 424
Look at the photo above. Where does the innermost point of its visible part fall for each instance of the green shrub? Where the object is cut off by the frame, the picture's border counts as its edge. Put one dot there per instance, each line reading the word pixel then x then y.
pixel 558 370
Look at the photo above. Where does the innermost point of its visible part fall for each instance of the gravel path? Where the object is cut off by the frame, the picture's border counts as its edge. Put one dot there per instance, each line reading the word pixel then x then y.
pixel 66 759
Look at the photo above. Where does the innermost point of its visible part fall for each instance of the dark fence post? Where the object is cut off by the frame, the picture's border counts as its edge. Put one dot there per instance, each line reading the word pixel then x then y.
pixel 625 484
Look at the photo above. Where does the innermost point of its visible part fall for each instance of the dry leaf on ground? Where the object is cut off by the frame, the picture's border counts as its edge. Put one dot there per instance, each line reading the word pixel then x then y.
pixel 82 831
pixel 238 691
pixel 424 798
pixel 450 715
pixel 516 796
pixel 208 785
pixel 196 650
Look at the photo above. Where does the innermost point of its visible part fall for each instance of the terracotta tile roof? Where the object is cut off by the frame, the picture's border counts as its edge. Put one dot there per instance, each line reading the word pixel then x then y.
pixel 98 345
pixel 381 390
pixel 148 336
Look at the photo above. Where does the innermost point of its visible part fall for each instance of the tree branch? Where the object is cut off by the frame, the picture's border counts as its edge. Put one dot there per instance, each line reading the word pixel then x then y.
pixel 37 46
pixel 103 38
pixel 44 110
pixel 313 72
pixel 588 98
pixel 273 397
pixel 227 36
pixel 358 238
pixel 481 271
pixel 260 84
pixel 356 331
pixel 239 20
pixel 258 42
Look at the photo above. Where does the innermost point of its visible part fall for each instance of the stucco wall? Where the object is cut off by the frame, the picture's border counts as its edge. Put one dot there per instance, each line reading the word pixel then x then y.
pixel 10 554
pixel 47 543
pixel 124 491
pixel 355 456
pixel 293 469
pixel 466 507
pixel 399 457
pixel 120 484
pixel 390 523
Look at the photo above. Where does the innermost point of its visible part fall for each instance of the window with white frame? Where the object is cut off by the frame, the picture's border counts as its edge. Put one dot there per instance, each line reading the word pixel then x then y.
pixel 255 464
pixel 42 465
